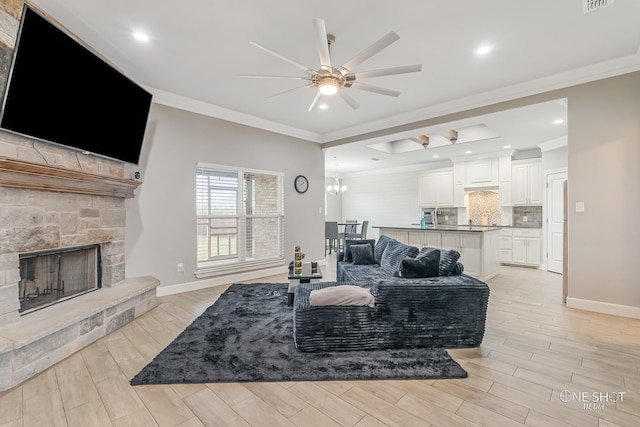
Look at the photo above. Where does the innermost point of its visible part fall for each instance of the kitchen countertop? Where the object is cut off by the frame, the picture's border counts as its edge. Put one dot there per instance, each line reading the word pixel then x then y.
pixel 472 228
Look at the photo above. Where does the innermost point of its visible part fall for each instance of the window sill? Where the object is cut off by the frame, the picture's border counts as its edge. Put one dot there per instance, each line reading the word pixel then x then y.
pixel 223 270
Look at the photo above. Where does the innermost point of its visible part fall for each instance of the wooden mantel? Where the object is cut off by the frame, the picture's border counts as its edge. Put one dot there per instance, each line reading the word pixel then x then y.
pixel 35 176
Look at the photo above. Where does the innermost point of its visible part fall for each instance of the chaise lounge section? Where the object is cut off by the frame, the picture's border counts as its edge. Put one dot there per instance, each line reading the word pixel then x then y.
pixel 443 311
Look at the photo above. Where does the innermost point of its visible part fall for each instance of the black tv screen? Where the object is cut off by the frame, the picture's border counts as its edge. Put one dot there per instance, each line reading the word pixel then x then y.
pixel 61 92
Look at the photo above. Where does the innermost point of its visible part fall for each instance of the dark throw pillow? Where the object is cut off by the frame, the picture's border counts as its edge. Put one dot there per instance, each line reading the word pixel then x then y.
pixel 425 266
pixel 362 254
pixel 348 244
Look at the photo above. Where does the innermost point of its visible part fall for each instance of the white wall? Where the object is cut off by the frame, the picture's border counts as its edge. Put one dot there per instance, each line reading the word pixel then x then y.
pixel 161 221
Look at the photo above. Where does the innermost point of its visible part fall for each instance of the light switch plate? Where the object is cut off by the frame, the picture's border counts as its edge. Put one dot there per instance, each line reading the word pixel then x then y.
pixel 579 206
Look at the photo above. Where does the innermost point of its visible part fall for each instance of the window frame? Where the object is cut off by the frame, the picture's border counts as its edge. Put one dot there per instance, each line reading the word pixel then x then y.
pixel 240 262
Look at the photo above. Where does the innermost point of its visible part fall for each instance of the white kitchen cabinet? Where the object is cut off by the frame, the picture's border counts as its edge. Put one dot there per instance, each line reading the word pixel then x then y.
pixel 436 189
pixel 470 247
pixel 481 172
pixel 506 245
pixel 526 183
pixel 400 235
pixel 458 184
pixel 504 173
pixel 527 247
pixel 421 239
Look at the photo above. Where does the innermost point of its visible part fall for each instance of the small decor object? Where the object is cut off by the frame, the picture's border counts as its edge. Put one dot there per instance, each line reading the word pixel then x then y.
pixel 297 261
pixel 301 183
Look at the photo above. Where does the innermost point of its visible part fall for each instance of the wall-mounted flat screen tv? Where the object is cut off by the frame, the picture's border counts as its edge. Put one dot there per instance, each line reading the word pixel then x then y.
pixel 59 91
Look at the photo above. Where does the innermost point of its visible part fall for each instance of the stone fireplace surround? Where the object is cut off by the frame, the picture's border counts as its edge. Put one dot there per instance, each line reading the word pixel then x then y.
pixel 60 198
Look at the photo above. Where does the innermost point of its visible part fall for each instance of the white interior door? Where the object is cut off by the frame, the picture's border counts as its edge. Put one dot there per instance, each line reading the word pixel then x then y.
pixel 555 220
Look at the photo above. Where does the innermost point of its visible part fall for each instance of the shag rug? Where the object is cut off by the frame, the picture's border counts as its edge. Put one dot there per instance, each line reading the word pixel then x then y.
pixel 247 335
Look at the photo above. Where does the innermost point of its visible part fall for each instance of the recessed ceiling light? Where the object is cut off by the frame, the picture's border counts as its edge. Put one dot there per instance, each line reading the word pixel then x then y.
pixel 483 50
pixel 507 146
pixel 467 152
pixel 141 37
pixel 435 156
pixel 557 122
pixel 323 106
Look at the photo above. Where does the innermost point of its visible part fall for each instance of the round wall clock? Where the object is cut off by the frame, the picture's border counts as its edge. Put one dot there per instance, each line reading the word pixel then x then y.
pixel 301 183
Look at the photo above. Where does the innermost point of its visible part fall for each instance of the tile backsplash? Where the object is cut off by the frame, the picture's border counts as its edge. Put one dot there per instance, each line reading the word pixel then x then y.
pixel 532 214
pixel 448 216
pixel 484 208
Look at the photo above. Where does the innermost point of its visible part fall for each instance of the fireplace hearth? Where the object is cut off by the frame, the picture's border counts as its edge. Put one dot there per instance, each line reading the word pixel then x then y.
pixel 52 276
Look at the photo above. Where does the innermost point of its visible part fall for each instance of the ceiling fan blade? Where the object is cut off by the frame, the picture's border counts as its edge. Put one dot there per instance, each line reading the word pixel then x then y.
pixel 349 100
pixel 315 101
pixel 371 50
pixel 251 76
pixel 375 89
pixel 384 72
pixel 295 89
pixel 284 58
pixel 323 43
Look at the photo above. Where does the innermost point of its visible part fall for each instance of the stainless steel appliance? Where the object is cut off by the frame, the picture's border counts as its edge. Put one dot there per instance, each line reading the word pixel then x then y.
pixel 429 217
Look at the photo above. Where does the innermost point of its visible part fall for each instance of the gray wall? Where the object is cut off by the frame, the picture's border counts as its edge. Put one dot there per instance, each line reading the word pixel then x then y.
pixel 604 173
pixel 555 159
pixel 161 221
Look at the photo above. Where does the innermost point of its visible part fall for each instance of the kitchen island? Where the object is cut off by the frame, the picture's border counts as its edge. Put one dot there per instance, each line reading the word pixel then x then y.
pixel 479 246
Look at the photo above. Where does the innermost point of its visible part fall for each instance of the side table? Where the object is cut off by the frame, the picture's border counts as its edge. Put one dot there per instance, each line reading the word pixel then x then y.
pixel 296 279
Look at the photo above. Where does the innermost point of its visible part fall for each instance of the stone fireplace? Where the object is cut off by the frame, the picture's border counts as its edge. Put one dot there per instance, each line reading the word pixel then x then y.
pixel 62 230
pixel 53 276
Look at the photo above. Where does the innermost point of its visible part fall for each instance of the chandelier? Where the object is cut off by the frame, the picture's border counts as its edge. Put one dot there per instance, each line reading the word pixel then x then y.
pixel 336 188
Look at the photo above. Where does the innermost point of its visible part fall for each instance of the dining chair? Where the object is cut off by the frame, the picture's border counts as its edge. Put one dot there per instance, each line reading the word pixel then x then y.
pixel 332 236
pixel 362 234
pixel 351 226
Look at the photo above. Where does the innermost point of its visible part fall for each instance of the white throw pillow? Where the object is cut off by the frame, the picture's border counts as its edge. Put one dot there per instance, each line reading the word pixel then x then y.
pixel 342 295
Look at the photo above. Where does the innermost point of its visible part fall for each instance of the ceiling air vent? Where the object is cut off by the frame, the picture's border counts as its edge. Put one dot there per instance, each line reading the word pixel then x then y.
pixel 592 5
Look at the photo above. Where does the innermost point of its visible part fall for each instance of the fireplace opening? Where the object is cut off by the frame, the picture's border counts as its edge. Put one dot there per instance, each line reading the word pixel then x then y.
pixel 52 276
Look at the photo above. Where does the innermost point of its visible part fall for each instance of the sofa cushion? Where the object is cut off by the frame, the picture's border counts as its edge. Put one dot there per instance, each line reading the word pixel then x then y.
pixel 425 266
pixel 457 270
pixel 362 254
pixel 348 256
pixel 379 248
pixel 342 295
pixel 448 260
pixel 393 255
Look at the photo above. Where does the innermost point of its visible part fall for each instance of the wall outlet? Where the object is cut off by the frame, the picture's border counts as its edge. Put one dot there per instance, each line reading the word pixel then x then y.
pixel 446 217
pixel 579 206
pixel 525 219
pixel 180 267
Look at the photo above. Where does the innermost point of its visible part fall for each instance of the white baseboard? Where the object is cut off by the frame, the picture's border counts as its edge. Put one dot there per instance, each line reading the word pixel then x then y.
pixel 604 307
pixel 218 281
pixel 222 280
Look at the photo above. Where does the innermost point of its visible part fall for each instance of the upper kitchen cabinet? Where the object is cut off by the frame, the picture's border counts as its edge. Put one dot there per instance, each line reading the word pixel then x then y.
pixel 526 182
pixel 436 189
pixel 505 180
pixel 481 173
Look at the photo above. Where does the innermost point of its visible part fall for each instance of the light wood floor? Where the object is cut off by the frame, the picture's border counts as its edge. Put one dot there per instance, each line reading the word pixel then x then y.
pixel 534 348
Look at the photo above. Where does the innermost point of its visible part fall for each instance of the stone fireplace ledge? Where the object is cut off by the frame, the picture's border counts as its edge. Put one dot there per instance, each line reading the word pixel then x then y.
pixel 42 338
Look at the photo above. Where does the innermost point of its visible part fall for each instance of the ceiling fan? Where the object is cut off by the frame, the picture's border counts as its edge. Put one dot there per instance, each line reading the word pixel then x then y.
pixel 331 80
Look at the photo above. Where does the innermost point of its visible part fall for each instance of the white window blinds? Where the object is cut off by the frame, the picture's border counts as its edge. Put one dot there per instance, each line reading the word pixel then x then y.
pixel 240 219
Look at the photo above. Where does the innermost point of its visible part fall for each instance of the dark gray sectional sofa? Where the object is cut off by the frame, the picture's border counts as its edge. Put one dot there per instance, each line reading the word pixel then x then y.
pixel 444 311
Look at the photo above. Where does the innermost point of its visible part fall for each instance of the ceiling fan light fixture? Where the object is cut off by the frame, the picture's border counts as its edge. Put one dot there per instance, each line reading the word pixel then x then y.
pixel 328 87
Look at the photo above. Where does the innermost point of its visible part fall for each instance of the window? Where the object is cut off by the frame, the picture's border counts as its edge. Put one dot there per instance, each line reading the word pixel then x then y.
pixel 240 219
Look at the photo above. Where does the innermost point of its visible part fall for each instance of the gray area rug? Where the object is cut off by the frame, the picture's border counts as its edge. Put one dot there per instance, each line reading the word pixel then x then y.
pixel 247 335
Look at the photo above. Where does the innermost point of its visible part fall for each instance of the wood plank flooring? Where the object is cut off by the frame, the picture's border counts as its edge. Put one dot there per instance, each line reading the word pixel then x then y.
pixel 536 352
